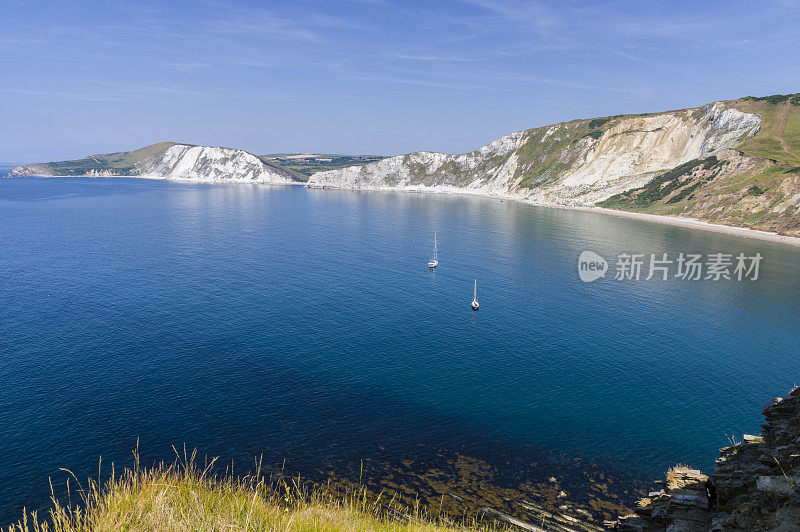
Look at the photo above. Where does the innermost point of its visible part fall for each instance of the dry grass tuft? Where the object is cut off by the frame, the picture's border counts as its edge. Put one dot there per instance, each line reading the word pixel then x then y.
pixel 184 496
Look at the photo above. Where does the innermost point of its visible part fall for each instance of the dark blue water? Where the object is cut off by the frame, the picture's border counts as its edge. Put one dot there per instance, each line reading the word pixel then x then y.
pixel 303 325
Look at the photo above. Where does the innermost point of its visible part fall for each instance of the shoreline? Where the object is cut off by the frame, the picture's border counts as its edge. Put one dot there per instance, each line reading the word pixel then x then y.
pixel 190 180
pixel 677 221
pixel 692 223
pixel 158 178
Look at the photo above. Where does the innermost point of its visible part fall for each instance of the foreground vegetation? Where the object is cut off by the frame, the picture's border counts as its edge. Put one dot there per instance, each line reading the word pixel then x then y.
pixel 184 496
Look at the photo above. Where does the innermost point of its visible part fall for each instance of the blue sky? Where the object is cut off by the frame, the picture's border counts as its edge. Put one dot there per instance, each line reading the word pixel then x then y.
pixel 367 76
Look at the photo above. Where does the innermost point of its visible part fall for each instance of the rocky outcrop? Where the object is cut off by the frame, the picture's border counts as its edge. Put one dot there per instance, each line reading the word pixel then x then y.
pixel 682 504
pixel 571 163
pixel 42 170
pixel 755 485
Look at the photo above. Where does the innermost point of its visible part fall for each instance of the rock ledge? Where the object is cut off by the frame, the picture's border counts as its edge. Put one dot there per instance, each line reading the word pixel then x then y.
pixel 755 485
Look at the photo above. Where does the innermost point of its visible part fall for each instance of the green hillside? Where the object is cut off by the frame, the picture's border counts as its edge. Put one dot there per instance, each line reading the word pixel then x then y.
pixel 120 163
pixel 302 165
pixel 779 138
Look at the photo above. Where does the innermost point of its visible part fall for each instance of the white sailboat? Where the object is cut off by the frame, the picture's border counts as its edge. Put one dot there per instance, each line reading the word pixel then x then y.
pixel 474 303
pixel 434 262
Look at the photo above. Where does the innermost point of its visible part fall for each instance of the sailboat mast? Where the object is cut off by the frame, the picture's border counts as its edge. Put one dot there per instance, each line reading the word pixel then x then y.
pixel 434 262
pixel 475 293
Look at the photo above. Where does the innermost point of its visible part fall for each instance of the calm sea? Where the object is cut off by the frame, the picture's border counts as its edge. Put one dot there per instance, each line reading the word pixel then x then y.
pixel 303 325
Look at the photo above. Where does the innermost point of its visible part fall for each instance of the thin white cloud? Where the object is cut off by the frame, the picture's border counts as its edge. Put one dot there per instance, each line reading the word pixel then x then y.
pixel 98 92
pixel 408 80
pixel 187 66
pixel 528 14
pixel 569 84
pixel 433 58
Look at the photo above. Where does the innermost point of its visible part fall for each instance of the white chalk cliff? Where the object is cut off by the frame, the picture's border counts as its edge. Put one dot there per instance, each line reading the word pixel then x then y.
pixel 168 160
pixel 203 163
pixel 579 162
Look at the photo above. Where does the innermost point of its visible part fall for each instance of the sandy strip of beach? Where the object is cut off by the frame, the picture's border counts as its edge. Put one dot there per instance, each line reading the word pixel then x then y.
pixel 693 223
pixel 679 221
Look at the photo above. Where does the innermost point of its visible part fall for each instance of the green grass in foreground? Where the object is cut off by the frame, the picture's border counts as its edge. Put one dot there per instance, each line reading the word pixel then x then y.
pixel 185 497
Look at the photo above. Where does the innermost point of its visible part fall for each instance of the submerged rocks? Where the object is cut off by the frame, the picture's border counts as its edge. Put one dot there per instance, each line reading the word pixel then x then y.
pixel 755 484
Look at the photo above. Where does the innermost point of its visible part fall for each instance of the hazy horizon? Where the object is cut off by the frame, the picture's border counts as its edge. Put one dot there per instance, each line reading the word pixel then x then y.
pixel 367 76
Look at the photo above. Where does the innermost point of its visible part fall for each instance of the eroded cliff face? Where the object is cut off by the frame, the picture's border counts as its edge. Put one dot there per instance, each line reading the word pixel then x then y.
pixel 571 163
pixel 491 169
pixel 631 151
pixel 729 187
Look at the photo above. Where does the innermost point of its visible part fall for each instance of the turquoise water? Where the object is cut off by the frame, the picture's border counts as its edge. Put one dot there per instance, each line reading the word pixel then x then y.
pixel 303 325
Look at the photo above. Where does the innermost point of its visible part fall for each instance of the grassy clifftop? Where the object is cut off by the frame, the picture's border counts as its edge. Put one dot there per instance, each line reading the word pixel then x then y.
pixel 779 138
pixel 186 497
pixel 120 163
